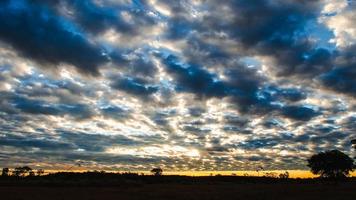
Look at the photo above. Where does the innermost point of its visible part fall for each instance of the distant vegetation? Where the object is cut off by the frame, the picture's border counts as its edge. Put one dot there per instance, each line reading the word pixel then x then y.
pixel 332 164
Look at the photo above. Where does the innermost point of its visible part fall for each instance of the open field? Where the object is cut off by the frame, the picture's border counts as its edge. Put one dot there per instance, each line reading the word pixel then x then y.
pixel 185 191
pixel 86 186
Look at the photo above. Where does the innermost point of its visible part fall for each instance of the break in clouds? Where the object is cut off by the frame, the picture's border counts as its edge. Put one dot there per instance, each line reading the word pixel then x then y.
pixel 185 85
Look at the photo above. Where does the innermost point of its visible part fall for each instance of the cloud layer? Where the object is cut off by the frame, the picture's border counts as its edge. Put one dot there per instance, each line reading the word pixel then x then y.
pixel 185 85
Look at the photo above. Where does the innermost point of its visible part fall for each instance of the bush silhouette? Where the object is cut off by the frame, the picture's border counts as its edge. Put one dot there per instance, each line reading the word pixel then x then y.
pixel 157 171
pixel 331 164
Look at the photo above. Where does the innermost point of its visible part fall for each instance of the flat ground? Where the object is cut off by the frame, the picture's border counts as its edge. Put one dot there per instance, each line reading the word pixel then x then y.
pixel 170 191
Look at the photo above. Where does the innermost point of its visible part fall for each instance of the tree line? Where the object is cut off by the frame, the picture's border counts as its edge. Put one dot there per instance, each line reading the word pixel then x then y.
pixel 328 164
pixel 21 172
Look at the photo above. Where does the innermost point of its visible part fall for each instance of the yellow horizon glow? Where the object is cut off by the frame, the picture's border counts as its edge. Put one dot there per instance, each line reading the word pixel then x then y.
pixel 292 173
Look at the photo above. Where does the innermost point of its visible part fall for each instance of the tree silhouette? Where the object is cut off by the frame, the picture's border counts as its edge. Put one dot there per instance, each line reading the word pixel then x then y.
pixel 5 171
pixel 21 171
pixel 157 171
pixel 40 172
pixel 284 175
pixel 331 164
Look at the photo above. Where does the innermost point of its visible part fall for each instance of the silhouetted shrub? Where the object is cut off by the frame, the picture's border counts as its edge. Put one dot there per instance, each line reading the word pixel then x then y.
pixel 157 171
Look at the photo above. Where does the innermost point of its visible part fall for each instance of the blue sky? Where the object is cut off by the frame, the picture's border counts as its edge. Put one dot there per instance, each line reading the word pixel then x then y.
pixel 185 85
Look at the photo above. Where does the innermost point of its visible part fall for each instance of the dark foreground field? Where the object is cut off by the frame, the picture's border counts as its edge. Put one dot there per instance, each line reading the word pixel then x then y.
pixel 184 192
pixel 134 187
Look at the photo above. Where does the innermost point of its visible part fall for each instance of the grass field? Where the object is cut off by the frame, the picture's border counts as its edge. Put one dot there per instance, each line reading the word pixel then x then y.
pixel 102 186
pixel 185 192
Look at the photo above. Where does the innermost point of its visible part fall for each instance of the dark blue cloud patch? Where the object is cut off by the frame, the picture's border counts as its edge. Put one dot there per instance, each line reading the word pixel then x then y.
pixel 196 111
pixel 179 28
pixel 258 143
pixel 192 78
pixel 301 113
pixel 262 20
pixel 236 121
pixel 341 79
pixel 302 60
pixel 243 86
pixel 36 107
pixel 29 140
pixel 98 18
pixel 46 37
pixel 135 86
pixel 115 112
pixel 95 142
pixel 272 123
pixel 243 83
pixel 275 93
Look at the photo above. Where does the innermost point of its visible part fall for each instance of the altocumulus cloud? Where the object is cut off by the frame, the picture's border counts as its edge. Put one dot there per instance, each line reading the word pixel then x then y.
pixel 186 85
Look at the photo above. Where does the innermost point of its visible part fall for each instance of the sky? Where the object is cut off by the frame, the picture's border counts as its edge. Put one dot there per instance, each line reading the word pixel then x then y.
pixel 191 85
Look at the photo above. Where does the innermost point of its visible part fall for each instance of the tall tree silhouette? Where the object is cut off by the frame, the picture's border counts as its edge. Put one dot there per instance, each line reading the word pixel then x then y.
pixel 331 164
pixel 5 171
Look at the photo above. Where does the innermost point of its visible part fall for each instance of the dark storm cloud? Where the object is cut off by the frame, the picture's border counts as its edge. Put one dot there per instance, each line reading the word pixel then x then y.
pixel 276 29
pixel 242 85
pixel 200 51
pixel 95 142
pixel 236 120
pixel 286 94
pixel 342 78
pixel 115 112
pixel 196 111
pixel 26 141
pixel 63 141
pixel 194 79
pixel 46 37
pixel 97 17
pixel 272 123
pixel 245 85
pixel 161 118
pixel 135 86
pixel 263 28
pixel 79 111
pixel 196 130
pixel 301 113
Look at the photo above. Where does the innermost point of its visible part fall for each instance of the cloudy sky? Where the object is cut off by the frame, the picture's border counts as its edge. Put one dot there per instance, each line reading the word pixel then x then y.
pixel 185 85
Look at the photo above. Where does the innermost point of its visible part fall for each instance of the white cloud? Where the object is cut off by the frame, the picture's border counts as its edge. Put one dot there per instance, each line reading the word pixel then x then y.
pixel 340 18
